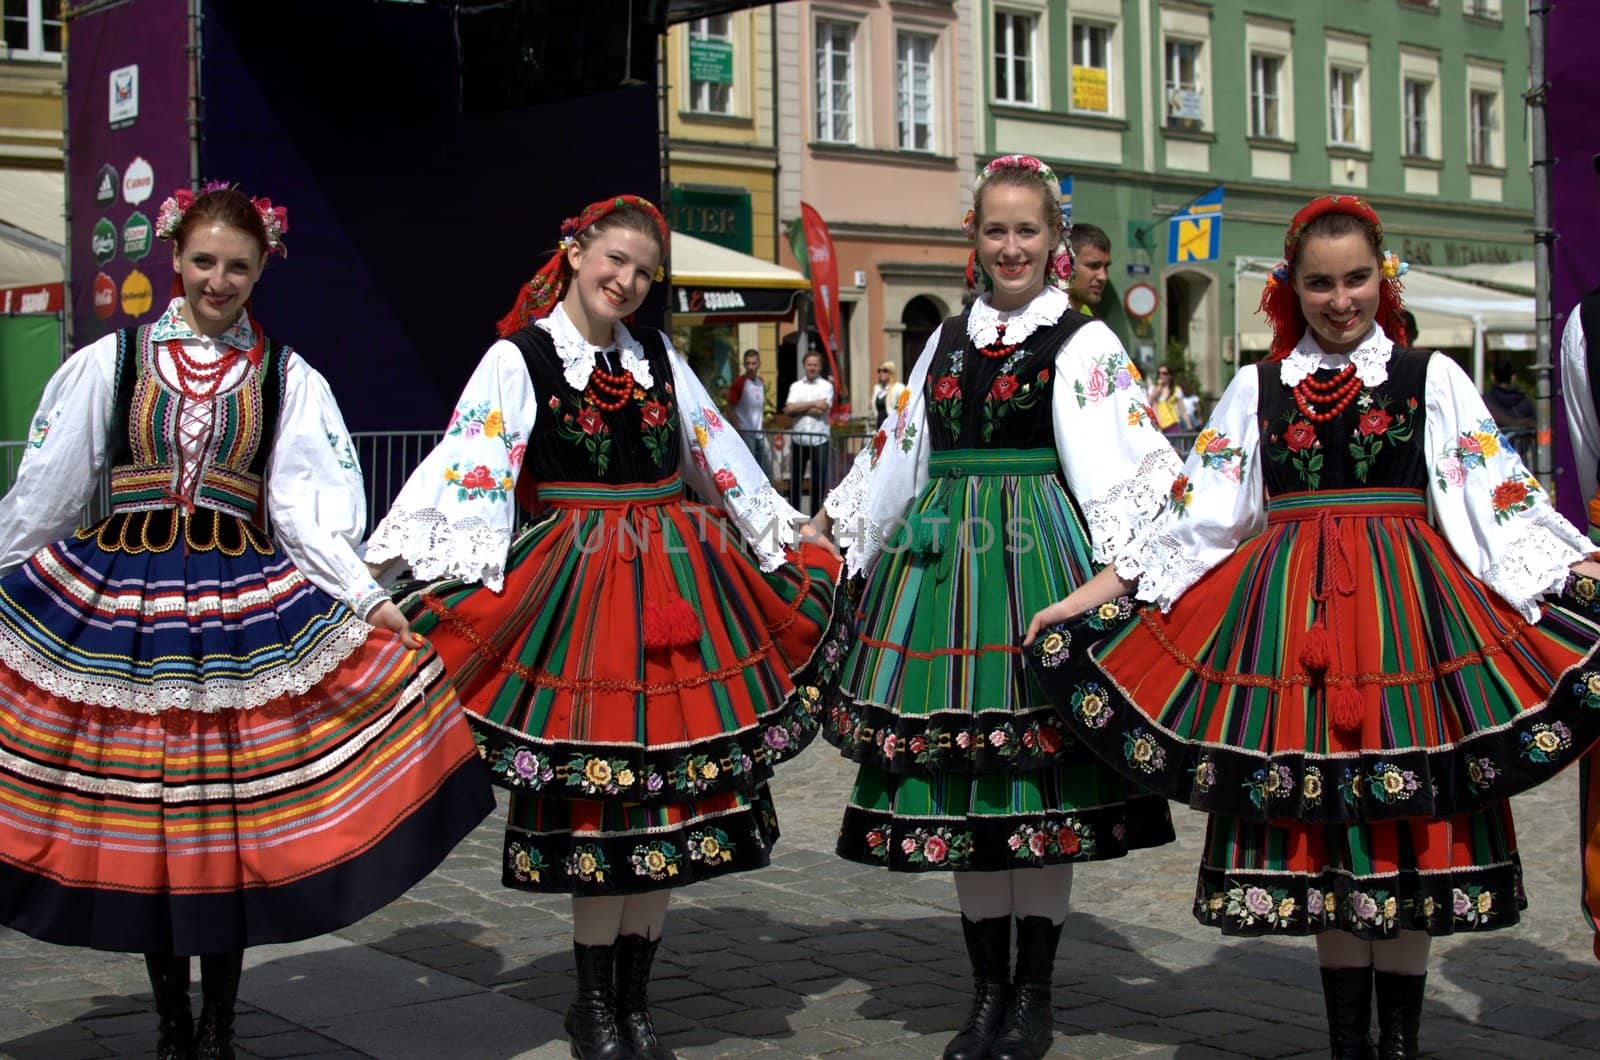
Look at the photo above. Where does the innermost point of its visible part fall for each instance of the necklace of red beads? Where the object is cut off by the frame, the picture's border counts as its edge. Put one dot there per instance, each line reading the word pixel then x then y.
pixel 998 350
pixel 1334 394
pixel 197 379
pixel 609 391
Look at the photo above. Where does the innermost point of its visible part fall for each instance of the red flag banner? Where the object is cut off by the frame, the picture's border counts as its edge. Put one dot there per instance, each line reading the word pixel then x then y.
pixel 824 288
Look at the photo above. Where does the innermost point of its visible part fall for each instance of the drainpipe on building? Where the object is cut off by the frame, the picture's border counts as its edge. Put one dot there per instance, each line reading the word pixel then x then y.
pixel 1535 98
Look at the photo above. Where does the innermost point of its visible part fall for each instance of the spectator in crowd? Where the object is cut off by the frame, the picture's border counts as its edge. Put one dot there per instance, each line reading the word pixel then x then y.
pixel 1171 404
pixel 887 393
pixel 1091 264
pixel 747 404
pixel 1508 404
pixel 810 402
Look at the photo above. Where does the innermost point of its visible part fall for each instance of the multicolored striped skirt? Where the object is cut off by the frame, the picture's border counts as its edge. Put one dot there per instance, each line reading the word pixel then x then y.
pixel 633 684
pixel 1372 758
pixel 964 765
pixel 200 751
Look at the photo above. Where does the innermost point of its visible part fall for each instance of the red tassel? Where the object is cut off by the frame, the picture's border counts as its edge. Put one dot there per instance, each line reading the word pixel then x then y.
pixel 1316 655
pixel 670 625
pixel 1344 706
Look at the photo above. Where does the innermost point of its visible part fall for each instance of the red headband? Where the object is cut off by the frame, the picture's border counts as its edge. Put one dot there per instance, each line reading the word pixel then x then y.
pixel 1281 305
pixel 538 297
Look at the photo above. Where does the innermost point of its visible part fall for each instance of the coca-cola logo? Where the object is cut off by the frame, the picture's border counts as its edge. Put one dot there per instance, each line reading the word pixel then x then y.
pixel 105 296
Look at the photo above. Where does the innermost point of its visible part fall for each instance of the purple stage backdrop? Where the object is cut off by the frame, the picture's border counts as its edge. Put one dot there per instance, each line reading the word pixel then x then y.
pixel 128 148
pixel 1574 199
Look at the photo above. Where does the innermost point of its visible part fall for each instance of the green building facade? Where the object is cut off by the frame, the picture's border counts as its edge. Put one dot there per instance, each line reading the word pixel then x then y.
pixel 1147 104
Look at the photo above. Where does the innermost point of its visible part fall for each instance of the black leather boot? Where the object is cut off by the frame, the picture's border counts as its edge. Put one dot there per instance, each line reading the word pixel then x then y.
pixel 989 950
pixel 1029 1025
pixel 169 982
pixel 219 991
pixel 592 1019
pixel 1399 1013
pixel 1347 993
pixel 635 955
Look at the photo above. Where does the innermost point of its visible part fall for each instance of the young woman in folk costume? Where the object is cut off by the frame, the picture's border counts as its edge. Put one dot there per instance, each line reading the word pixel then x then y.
pixel 633 662
pixel 1020 457
pixel 1372 630
pixel 204 747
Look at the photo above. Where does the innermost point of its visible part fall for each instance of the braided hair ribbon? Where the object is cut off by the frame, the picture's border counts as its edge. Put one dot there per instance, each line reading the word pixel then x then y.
pixel 538 297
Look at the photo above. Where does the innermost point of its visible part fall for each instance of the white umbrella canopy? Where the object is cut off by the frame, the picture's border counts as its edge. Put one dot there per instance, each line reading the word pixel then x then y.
pixel 33 226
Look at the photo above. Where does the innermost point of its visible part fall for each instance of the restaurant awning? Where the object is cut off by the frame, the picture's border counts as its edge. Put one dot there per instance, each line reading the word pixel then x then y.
pixel 714 285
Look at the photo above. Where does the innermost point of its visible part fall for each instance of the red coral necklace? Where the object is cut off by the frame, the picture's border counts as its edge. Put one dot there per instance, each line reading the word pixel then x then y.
pixel 1335 393
pixel 617 387
pixel 196 379
pixel 998 350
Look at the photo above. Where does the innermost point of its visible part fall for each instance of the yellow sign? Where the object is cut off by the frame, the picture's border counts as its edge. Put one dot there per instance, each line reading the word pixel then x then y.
pixel 1089 91
pixel 136 294
pixel 1194 239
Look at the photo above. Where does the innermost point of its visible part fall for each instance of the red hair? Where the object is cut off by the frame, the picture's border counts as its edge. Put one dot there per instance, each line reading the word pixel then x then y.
pixel 1325 217
pixel 538 297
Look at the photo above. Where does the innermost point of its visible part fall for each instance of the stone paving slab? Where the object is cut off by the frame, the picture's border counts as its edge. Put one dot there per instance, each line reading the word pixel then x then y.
pixel 817 957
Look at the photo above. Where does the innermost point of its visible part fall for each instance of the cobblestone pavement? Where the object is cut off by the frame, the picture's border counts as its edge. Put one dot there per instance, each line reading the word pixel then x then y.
pixel 819 957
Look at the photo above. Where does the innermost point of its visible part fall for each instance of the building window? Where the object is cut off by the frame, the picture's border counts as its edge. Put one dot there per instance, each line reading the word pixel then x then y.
pixel 1013 58
pixel 1266 77
pixel 1185 103
pixel 711 64
pixel 1481 107
pixel 836 95
pixel 1091 68
pixel 1344 106
pixel 32 29
pixel 914 94
pixel 1483 8
pixel 1415 117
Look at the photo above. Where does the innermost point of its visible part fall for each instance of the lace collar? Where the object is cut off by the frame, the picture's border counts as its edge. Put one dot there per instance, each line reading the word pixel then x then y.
pixel 241 334
pixel 985 322
pixel 1371 358
pixel 578 353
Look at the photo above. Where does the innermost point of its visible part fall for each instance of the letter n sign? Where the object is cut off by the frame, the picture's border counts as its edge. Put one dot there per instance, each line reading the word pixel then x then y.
pixel 1193 239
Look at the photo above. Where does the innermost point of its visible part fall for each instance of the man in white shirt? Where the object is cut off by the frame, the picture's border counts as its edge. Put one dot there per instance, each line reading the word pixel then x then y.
pixel 810 401
pixel 747 409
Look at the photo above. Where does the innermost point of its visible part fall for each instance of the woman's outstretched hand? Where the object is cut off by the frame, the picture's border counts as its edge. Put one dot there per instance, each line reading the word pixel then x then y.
pixel 387 616
pixel 1107 585
pixel 1059 611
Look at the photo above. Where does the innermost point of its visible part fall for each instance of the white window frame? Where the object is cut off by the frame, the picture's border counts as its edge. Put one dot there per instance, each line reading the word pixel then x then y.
pixel 702 94
pixel 907 93
pixel 1267 106
pixel 36 21
pixel 1416 129
pixel 825 46
pixel 1482 8
pixel 1338 105
pixel 1349 52
pixel 1006 88
pixel 1173 82
pixel 1108 53
pixel 1487 81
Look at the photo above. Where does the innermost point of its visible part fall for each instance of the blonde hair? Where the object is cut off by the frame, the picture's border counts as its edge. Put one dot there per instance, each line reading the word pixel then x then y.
pixel 893 371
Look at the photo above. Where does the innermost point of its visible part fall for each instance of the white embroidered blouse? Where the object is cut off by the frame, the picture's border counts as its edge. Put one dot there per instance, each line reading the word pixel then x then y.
pixel 1521 555
pixel 441 531
pixel 313 491
pixel 1116 464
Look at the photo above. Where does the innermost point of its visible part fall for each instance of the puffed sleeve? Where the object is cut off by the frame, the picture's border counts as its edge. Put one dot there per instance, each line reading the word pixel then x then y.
pixel 455 514
pixel 874 506
pixel 717 464
pixel 1583 419
pixel 1215 505
pixel 64 455
pixel 1493 512
pixel 1117 465
pixel 314 492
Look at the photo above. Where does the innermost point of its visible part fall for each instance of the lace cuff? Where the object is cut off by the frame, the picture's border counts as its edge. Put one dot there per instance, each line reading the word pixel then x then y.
pixel 1128 507
pixel 1533 565
pixel 469 549
pixel 846 503
pixel 1162 568
pixel 767 522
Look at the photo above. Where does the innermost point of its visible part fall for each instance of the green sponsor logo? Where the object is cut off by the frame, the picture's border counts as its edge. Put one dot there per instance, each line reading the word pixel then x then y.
pixel 136 234
pixel 103 243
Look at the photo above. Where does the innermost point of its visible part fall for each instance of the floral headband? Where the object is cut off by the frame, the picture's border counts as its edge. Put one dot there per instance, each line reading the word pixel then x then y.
pixel 1059 270
pixel 275 219
pixel 1281 305
pixel 538 297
